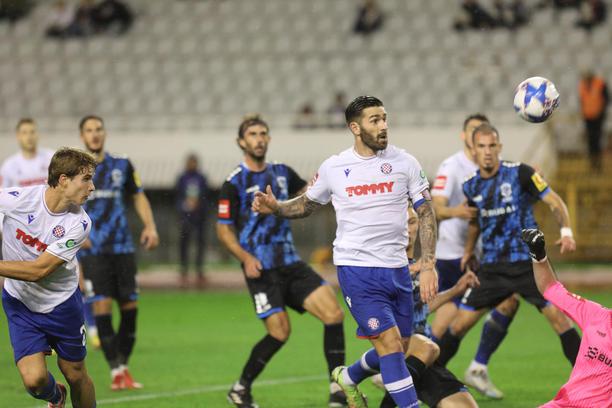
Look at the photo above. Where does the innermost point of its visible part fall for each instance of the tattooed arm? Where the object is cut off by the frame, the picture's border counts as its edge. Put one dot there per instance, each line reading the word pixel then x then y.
pixel 427 237
pixel 298 207
pixel 559 210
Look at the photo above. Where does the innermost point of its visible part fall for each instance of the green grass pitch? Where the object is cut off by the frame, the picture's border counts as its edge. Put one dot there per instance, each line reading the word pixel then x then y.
pixel 192 346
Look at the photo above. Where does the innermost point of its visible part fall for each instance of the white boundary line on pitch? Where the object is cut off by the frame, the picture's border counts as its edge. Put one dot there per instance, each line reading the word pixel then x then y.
pixel 203 390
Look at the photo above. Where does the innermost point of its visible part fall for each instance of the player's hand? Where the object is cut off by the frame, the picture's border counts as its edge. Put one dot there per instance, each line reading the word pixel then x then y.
pixel 428 283
pixel 465 212
pixel 252 267
pixel 265 203
pixel 149 238
pixel 415 268
pixel 567 244
pixel 467 280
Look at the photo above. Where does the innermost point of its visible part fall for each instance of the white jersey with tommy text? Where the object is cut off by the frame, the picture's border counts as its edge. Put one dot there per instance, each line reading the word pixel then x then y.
pixel 452 232
pixel 30 228
pixel 17 171
pixel 370 196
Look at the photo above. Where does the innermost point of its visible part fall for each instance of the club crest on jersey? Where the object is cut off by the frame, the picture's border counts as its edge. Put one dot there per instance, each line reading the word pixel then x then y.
pixel 386 168
pixel 506 192
pixel 30 218
pixel 373 323
pixel 117 177
pixel 59 231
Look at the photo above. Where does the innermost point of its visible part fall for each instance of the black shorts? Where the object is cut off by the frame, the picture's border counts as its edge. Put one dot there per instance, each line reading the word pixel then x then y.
pixel 280 287
pixel 499 281
pixel 436 384
pixel 112 276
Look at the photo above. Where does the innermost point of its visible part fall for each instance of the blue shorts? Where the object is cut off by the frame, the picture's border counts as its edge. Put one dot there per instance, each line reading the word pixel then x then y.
pixel 378 298
pixel 449 273
pixel 62 330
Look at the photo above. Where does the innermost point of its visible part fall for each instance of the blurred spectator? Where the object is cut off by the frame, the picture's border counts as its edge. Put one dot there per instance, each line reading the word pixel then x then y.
pixel 503 15
pixel 473 15
pixel 335 113
pixel 61 15
pixel 113 16
pixel 592 13
pixel 369 18
pixel 306 118
pixel 593 93
pixel 82 25
pixel 13 10
pixel 192 194
pixel 520 13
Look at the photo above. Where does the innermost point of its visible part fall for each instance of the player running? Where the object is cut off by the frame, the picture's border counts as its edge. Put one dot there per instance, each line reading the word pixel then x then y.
pixel 504 193
pixel 110 263
pixel 44 227
pixel 369 186
pixel 454 214
pixel 591 378
pixel 275 275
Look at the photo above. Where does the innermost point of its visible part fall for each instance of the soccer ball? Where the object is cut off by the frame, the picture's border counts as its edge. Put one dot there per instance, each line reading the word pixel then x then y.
pixel 535 99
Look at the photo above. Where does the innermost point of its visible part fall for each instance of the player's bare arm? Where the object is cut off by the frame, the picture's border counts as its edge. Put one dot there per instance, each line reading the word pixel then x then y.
pixel 470 243
pixel 31 271
pixel 561 214
pixel 149 237
pixel 428 237
pixel 227 236
pixel 444 212
pixel 298 207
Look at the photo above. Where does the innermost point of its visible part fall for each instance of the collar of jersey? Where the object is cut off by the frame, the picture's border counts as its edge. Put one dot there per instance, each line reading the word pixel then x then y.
pixel 378 154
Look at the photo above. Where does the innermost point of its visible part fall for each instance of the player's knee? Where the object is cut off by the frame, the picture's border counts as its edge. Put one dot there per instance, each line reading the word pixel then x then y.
pixel 74 373
pixel 333 316
pixel 459 328
pixel 432 351
pixel 509 307
pixel 280 333
pixel 35 382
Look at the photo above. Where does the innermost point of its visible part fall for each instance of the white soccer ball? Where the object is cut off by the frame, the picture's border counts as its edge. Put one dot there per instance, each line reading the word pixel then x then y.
pixel 535 99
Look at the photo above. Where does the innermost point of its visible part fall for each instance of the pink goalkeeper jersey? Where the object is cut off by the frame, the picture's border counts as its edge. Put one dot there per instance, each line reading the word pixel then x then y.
pixel 590 384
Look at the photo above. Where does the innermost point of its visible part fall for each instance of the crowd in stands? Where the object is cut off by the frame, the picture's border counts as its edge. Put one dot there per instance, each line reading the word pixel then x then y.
pixel 89 17
pixel 513 14
pixel 332 118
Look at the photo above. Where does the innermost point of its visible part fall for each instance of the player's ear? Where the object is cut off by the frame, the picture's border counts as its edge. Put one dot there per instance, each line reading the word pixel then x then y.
pixel 241 143
pixel 354 126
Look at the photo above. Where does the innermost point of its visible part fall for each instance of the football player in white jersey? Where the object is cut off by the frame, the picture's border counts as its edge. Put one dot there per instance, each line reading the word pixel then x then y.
pixel 30 165
pixel 369 185
pixel 44 227
pixel 453 214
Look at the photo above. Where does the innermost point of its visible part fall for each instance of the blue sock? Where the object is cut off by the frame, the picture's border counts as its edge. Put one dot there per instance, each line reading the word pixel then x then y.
pixel 365 367
pixel 493 333
pixel 50 393
pixel 398 381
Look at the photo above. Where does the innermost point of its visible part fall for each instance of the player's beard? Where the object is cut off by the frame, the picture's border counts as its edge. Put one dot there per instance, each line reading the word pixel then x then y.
pixel 374 142
pixel 258 155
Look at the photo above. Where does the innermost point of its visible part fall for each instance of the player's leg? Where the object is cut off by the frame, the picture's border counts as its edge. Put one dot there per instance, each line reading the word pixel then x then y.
pixel 269 306
pixel 384 315
pixel 458 400
pixel 323 304
pixel 38 381
pixel 461 325
pixel 493 333
pixel 449 272
pixel 184 245
pixel 200 253
pixel 82 392
pixel 125 267
pixel 561 324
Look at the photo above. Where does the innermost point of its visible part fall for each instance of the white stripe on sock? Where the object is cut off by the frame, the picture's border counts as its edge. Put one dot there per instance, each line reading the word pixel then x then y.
pixel 399 385
pixel 364 363
pixel 346 378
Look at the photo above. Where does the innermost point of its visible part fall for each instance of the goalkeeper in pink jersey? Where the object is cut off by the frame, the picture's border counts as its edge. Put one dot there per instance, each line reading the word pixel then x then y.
pixel 590 384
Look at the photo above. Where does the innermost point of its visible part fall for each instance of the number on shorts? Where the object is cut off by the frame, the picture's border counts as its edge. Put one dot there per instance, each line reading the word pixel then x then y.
pixel 83 332
pixel 261 302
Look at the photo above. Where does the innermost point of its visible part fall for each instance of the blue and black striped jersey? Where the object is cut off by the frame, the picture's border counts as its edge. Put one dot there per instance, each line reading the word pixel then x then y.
pixel 116 182
pixel 505 203
pixel 266 237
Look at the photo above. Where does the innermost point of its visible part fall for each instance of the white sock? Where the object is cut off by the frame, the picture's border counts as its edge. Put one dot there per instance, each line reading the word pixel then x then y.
pixel 476 366
pixel 334 387
pixel 237 386
pixel 346 378
pixel 116 371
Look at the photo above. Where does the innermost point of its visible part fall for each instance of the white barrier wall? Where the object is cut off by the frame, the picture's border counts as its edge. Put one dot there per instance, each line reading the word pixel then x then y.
pixel 159 156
